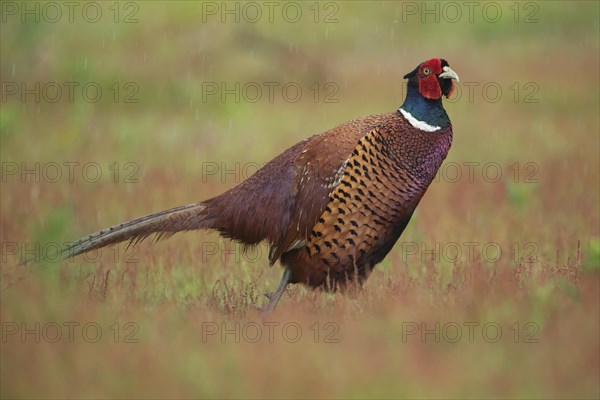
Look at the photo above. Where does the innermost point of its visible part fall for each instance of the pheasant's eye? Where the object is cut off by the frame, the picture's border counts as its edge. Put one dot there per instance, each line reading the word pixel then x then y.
pixel 426 71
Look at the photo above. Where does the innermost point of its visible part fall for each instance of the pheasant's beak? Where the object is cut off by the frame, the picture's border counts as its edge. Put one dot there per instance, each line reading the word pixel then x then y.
pixel 448 74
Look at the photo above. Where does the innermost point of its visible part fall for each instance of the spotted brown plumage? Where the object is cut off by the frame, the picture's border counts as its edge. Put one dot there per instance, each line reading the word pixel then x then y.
pixel 333 205
pixel 378 191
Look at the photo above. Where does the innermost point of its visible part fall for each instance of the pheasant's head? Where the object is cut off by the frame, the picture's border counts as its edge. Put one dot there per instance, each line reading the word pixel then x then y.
pixel 427 84
pixel 434 78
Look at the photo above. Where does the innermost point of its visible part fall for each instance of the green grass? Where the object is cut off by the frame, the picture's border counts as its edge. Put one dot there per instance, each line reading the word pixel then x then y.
pixel 157 304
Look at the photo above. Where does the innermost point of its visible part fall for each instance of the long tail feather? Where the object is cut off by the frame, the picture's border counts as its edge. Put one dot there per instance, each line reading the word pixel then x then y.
pixel 163 224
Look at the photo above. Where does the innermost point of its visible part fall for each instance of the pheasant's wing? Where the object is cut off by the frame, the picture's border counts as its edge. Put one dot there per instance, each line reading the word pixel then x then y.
pixel 319 167
pixel 283 200
pixel 258 208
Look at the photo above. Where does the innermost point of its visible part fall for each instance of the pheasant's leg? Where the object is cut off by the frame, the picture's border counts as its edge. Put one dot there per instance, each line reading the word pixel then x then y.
pixel 274 297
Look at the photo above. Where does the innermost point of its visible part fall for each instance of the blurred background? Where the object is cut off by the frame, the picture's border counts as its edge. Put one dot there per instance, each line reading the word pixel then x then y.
pixel 112 110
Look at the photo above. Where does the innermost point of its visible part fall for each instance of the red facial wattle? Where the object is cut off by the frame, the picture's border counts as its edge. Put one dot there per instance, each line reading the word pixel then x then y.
pixel 429 87
pixel 428 83
pixel 429 79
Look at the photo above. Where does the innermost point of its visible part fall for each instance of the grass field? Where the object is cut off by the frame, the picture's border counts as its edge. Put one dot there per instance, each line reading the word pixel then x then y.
pixel 115 110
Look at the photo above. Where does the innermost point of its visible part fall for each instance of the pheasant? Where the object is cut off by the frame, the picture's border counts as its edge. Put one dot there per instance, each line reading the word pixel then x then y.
pixel 332 206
